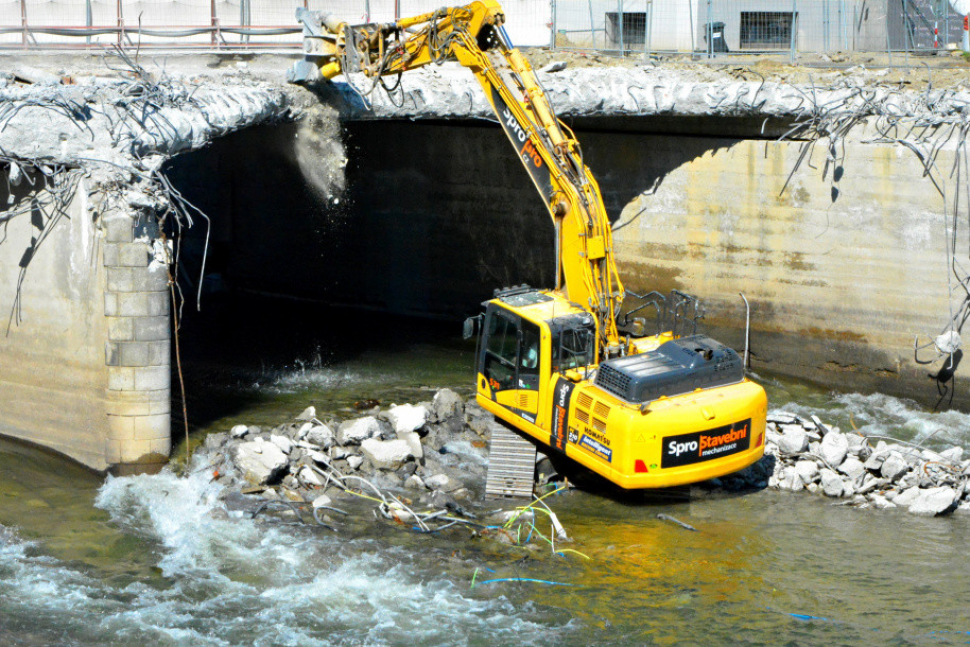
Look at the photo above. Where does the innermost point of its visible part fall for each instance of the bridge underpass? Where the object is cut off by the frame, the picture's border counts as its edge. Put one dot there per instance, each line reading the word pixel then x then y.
pixel 426 219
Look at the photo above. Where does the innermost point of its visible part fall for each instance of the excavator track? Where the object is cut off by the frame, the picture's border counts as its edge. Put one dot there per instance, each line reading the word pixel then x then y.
pixel 511 465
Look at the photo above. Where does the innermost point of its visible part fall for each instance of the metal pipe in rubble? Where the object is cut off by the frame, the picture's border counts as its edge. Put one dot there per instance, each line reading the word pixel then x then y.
pixel 747 328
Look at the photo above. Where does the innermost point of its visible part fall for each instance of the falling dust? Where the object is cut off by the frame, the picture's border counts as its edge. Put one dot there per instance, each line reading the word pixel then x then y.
pixel 320 153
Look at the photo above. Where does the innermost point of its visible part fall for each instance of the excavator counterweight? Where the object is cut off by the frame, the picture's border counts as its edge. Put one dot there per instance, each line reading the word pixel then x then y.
pixel 567 367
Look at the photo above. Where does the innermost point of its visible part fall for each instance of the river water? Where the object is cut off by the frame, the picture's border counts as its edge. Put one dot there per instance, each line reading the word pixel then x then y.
pixel 156 559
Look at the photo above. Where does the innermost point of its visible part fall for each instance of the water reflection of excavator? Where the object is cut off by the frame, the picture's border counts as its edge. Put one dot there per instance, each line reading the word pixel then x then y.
pixel 570 367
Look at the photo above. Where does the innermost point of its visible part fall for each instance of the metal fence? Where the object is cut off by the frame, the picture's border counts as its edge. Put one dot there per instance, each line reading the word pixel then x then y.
pixel 216 24
pixel 725 27
pixel 700 27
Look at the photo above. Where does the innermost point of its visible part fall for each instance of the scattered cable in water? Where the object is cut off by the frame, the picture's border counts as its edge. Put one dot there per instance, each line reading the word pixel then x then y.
pixel 562 552
pixel 524 579
pixel 685 526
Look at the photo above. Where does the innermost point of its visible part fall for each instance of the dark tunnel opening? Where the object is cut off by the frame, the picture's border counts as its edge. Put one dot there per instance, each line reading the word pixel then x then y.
pixel 434 217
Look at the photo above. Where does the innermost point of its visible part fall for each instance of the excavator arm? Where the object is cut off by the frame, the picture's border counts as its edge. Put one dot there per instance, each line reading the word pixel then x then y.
pixel 474 36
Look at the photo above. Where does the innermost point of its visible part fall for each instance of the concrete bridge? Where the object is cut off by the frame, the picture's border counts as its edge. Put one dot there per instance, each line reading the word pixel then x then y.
pixel 841 248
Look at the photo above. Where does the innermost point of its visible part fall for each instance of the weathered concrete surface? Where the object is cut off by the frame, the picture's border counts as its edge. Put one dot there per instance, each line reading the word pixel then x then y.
pixel 53 377
pixel 85 365
pixel 841 275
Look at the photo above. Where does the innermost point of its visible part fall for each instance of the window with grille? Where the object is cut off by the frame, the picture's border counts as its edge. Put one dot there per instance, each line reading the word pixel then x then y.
pixel 766 29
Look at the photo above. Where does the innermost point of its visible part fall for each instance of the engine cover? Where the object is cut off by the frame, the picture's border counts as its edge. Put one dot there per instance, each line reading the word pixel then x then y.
pixel 676 367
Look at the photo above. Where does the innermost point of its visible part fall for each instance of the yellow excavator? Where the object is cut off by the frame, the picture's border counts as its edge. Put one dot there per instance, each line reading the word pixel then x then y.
pixel 569 367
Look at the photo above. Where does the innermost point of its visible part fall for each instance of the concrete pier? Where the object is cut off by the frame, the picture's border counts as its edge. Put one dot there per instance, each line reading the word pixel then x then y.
pixel 85 356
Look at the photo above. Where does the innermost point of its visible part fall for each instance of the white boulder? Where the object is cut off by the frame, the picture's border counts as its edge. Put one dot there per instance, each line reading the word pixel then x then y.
pixel 386 454
pixel 355 461
pixel 406 418
pixel 260 462
pixel 414 482
pixel 354 432
pixel 793 441
pixel 238 431
pixel 321 500
pixel 906 497
pixel 852 467
pixel 320 435
pixel 807 470
pixel 308 414
pixel 284 443
pixel 831 483
pixel 447 404
pixel 833 449
pixel 414 442
pixel 932 501
pixel 307 475
pixel 954 454
pixel 894 466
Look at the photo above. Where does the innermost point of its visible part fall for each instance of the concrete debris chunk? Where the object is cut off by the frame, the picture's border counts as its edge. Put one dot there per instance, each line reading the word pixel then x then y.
pixel 933 501
pixel 807 470
pixel 555 66
pixel 354 462
pixel 894 466
pixel 834 448
pixel 284 443
pixel 386 454
pixel 852 467
pixel 310 477
pixel 414 442
pixel 789 479
pixel 406 418
pixel 447 405
pixel 954 454
pixel 414 482
pixel 906 497
pixel 260 462
pixel 831 483
pixel 321 435
pixel 353 432
pixel 442 482
pixel 794 440
pixel 880 502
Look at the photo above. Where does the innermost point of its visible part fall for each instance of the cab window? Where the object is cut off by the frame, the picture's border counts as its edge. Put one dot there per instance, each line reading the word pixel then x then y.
pixel 501 350
pixel 529 357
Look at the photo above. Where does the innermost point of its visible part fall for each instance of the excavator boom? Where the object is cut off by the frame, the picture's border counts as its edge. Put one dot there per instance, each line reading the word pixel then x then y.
pixel 643 411
pixel 474 36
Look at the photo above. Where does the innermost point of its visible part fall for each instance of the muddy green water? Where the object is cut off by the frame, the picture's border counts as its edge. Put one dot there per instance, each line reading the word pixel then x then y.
pixel 154 559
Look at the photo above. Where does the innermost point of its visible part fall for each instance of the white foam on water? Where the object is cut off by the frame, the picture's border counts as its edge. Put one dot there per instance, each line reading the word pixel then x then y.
pixel 323 378
pixel 885 415
pixel 234 580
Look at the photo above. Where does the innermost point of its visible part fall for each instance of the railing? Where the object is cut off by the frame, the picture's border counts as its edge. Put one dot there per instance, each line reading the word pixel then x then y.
pixel 705 28
pixel 215 24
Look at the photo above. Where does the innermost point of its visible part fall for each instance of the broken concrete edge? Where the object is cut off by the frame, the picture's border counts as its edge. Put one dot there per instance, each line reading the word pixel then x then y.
pixel 451 92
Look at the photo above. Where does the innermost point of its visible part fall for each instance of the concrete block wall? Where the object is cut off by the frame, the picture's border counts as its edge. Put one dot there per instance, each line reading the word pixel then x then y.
pixel 138 347
pixel 85 367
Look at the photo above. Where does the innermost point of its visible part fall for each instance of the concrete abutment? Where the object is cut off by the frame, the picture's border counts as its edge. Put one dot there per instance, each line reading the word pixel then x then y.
pixel 86 360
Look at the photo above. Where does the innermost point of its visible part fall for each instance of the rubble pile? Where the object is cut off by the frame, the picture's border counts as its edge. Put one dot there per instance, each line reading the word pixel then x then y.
pixel 868 472
pixel 435 452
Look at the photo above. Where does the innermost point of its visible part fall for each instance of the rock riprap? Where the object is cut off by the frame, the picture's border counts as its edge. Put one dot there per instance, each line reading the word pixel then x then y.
pixel 803 454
